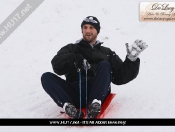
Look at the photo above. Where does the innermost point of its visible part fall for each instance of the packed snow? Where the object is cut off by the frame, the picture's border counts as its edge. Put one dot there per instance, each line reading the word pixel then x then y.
pixel 26 54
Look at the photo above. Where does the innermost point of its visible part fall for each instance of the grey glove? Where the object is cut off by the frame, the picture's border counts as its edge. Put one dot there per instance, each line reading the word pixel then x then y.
pixel 134 50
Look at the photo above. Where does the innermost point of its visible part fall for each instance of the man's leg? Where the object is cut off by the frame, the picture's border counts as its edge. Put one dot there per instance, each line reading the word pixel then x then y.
pixel 99 88
pixel 100 84
pixel 65 94
pixel 60 90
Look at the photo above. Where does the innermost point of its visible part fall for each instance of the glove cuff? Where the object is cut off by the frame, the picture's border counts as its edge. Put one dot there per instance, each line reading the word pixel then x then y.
pixel 132 58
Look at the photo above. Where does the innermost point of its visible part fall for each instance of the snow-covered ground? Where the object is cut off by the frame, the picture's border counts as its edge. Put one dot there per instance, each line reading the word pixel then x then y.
pixel 26 54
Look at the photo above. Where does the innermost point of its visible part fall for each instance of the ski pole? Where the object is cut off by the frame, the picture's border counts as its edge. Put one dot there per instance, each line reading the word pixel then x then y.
pixel 79 71
pixel 86 92
pixel 86 67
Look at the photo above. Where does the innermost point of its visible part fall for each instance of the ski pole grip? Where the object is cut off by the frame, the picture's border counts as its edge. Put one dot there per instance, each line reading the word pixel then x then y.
pixel 86 64
pixel 78 70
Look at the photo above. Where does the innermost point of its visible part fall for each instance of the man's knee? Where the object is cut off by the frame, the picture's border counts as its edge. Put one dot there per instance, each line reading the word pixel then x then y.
pixel 46 75
pixel 103 67
pixel 104 64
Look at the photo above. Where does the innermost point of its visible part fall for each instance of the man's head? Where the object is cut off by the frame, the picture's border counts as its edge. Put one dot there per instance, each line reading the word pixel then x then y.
pixel 90 29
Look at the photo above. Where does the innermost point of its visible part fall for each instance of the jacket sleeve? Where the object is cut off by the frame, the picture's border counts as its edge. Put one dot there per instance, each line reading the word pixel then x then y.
pixel 123 72
pixel 62 62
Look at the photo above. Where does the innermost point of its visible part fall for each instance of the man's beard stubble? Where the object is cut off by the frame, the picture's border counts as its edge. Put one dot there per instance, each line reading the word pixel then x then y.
pixel 91 39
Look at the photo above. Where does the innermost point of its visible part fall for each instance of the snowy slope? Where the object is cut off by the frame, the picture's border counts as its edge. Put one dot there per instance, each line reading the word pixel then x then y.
pixel 26 54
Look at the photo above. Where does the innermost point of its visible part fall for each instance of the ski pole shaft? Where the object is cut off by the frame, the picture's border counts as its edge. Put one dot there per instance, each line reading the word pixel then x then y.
pixel 86 66
pixel 79 71
pixel 86 93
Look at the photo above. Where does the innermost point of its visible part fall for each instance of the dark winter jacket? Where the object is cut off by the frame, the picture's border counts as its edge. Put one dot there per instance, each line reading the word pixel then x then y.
pixel 122 72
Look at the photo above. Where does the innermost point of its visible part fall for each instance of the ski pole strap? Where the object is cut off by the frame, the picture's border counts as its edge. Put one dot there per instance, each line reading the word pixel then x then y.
pixel 79 71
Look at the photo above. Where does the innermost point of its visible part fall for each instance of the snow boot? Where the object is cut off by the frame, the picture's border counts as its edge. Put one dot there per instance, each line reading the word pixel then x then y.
pixel 72 111
pixel 94 109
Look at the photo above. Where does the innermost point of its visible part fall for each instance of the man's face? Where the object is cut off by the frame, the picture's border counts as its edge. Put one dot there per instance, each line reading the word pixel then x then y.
pixel 89 33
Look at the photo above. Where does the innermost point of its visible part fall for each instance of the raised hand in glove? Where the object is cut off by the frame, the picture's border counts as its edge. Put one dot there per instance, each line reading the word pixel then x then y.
pixel 135 49
pixel 78 61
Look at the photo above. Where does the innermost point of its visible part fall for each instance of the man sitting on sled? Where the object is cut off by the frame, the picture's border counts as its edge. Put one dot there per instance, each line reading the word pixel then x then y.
pixel 104 67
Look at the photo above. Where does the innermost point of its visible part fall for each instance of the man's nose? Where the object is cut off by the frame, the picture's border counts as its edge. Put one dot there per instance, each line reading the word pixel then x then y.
pixel 88 30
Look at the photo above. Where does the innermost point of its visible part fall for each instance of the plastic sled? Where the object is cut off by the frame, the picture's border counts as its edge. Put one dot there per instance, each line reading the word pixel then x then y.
pixel 105 105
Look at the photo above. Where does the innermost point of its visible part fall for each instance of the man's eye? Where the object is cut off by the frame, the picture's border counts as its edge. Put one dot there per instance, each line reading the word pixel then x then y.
pixel 85 27
pixel 91 27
